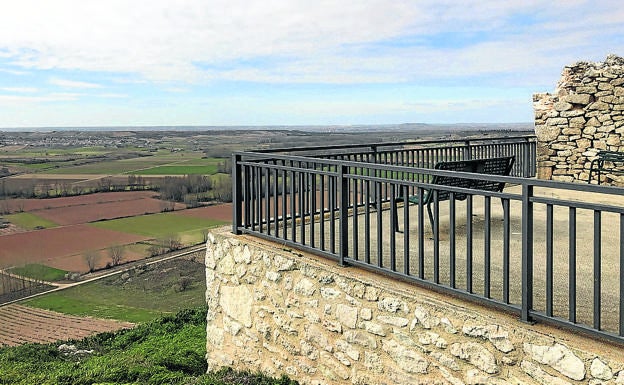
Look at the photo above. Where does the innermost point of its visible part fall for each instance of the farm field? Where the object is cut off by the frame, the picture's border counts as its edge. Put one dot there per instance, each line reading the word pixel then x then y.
pixel 27 205
pixel 221 212
pixel 139 295
pixel 78 214
pixel 30 221
pixel 161 225
pixel 61 247
pixel 22 324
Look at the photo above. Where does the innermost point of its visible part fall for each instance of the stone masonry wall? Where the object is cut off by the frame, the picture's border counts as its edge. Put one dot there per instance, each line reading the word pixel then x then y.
pixel 279 312
pixel 583 116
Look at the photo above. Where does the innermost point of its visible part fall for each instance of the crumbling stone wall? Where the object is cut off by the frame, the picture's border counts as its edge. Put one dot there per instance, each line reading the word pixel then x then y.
pixel 583 116
pixel 278 312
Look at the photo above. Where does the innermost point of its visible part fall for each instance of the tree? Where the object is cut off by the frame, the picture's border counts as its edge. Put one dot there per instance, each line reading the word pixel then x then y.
pixel 116 254
pixel 91 257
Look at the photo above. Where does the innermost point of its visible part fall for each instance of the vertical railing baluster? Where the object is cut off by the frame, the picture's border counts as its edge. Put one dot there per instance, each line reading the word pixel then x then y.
pixel 275 201
pixel 293 210
pixel 506 249
pixel 367 226
pixel 237 194
pixel 258 195
pixel 597 267
pixel 322 212
pixel 549 260
pixel 452 238
pixel 267 198
pixel 406 238
pixel 393 214
pixel 378 189
pixel 469 244
pixel 487 234
pixel 285 195
pixel 621 323
pixel 527 253
pixel 436 237
pixel 344 214
pixel 356 215
pixel 572 265
pixel 302 195
pixel 421 235
pixel 332 213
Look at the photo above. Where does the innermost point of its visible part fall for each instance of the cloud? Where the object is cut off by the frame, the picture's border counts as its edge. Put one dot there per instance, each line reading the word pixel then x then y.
pixel 72 83
pixel 19 89
pixel 300 41
pixel 55 97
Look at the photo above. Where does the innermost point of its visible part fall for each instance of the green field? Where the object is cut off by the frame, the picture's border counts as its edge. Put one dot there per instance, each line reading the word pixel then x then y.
pixel 159 225
pixel 138 296
pixel 179 170
pixel 29 221
pixel 40 272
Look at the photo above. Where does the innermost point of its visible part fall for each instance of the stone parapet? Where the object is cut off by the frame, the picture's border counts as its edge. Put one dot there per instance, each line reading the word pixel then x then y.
pixel 279 312
pixel 583 116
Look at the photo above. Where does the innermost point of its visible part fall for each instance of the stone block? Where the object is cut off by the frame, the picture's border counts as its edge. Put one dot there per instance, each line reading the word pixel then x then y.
pixel 562 106
pixel 600 106
pixel 579 98
pixel 558 357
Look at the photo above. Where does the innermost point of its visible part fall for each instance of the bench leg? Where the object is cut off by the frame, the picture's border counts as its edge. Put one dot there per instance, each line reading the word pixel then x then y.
pixel 430 214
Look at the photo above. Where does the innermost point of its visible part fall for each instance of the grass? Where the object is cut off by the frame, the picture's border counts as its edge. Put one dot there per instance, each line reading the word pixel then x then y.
pixel 39 272
pixel 140 295
pixel 168 350
pixel 179 170
pixel 159 225
pixel 29 221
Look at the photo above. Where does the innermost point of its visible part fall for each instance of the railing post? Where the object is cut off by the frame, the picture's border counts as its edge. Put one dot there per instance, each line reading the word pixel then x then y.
pixel 344 212
pixel 526 159
pixel 237 194
pixel 527 253
pixel 467 152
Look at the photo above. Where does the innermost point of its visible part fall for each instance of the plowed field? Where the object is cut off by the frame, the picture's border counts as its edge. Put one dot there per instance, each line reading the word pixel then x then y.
pixel 29 205
pixel 21 324
pixel 222 212
pixel 50 245
pixel 73 215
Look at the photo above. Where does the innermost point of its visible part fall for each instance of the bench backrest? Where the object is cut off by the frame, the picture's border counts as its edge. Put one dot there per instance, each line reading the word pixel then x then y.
pixel 491 166
pixel 611 156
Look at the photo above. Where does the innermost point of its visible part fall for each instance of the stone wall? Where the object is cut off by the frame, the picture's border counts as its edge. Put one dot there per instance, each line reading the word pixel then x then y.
pixel 583 116
pixel 279 312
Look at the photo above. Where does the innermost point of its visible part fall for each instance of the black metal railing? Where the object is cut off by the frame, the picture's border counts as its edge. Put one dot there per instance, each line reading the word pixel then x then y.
pixel 550 251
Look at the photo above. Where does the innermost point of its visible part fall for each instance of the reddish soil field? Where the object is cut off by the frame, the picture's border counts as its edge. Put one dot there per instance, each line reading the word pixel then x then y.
pixel 221 212
pixel 22 324
pixel 73 215
pixel 48 246
pixel 89 199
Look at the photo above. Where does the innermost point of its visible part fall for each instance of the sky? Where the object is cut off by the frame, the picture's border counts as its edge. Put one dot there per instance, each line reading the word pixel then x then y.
pixel 84 63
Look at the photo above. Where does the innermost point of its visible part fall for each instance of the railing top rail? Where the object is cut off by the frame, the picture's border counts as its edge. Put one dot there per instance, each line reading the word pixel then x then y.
pixel 583 187
pixel 527 137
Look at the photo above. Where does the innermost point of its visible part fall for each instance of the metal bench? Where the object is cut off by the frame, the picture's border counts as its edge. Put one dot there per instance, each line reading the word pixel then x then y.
pixel 608 161
pixel 491 166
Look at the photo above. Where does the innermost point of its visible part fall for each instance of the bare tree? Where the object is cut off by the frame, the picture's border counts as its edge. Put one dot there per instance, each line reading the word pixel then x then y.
pixel 173 242
pixel 205 233
pixel 116 253
pixel 91 257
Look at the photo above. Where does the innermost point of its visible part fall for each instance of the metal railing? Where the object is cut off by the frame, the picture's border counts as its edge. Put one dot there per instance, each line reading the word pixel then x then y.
pixel 505 256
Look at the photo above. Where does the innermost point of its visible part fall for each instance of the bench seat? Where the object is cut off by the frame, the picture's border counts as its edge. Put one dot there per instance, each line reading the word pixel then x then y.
pixel 491 166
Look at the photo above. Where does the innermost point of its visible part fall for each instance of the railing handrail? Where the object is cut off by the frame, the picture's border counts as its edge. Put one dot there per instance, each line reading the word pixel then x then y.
pixel 467 141
pixel 583 187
